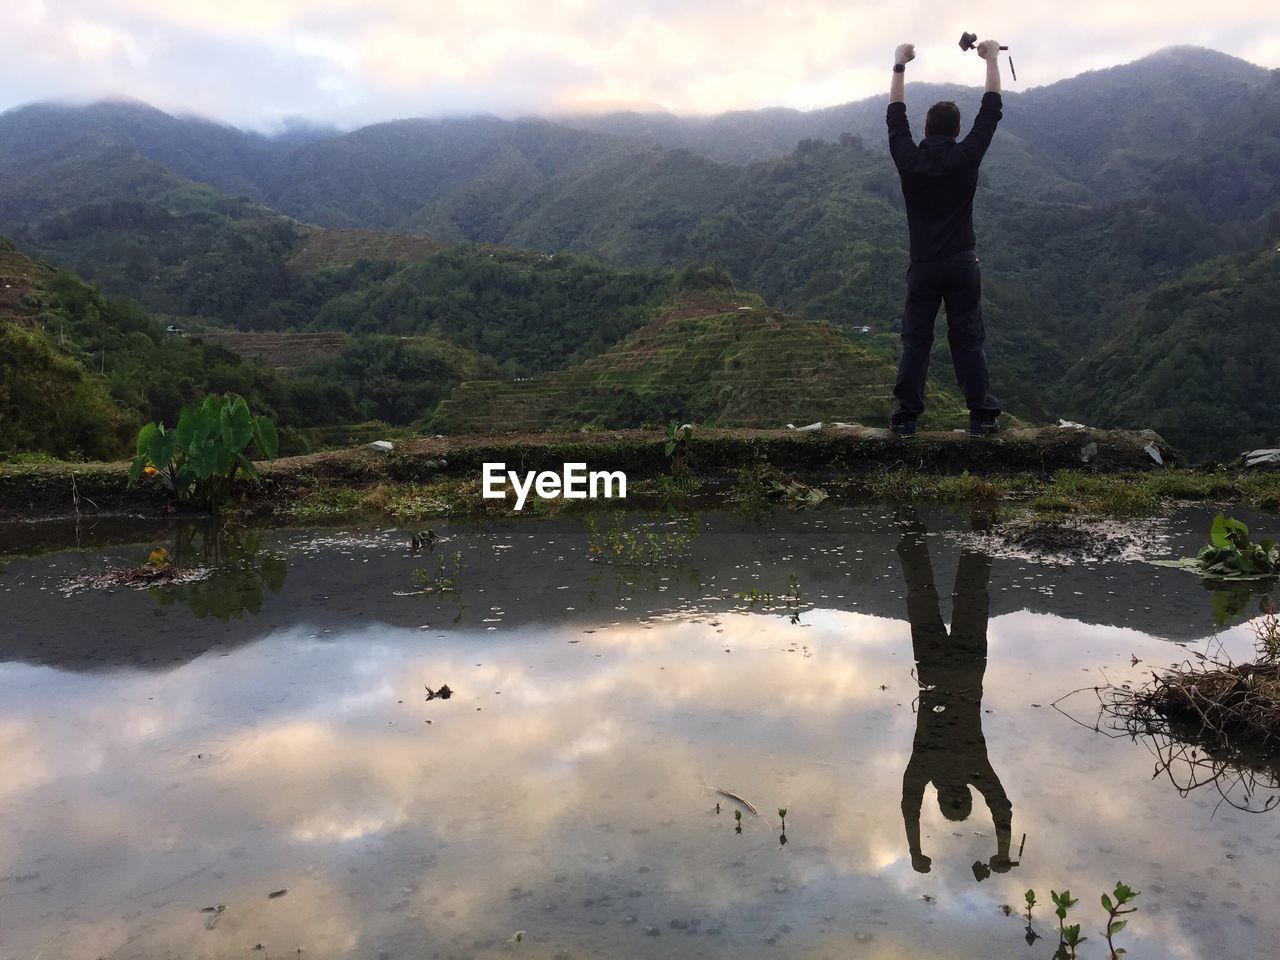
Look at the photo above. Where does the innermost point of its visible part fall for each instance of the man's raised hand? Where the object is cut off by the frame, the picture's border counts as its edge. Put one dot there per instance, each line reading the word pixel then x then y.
pixel 989 49
pixel 905 53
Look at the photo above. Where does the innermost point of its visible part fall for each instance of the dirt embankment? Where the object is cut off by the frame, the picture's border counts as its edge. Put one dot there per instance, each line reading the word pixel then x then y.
pixel 714 455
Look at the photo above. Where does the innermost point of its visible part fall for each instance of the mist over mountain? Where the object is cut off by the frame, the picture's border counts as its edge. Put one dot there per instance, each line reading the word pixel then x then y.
pixel 1100 196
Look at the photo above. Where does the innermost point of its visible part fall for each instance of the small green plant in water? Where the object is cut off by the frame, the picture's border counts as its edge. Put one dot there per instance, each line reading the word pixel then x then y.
pixel 1230 552
pixel 1231 555
pixel 1031 935
pixel 200 459
pixel 1114 905
pixel 788 603
pixel 1069 940
pixel 444 578
pixel 737 815
pixel 673 486
pixel 634 547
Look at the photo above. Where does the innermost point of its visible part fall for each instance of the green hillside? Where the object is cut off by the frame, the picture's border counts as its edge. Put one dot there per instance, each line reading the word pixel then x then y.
pixel 48 402
pixel 80 371
pixel 400 380
pixel 185 250
pixel 712 358
pixel 1195 360
pixel 531 311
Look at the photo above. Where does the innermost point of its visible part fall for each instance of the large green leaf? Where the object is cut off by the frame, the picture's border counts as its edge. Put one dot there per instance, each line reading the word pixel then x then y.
pixel 266 437
pixel 224 458
pixel 186 427
pixel 135 470
pixel 1228 532
pixel 236 425
pixel 1218 532
pixel 202 456
pixel 247 466
pixel 162 448
pixel 144 438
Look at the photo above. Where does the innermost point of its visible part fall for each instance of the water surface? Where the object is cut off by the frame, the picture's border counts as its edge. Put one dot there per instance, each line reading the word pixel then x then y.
pixel 267 729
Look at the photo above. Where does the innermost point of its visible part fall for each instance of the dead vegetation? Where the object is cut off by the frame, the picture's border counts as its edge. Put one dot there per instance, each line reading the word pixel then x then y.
pixel 1209 721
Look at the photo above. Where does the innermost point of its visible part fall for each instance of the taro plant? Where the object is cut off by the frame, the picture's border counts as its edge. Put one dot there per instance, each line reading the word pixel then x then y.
pixel 678 439
pixel 1231 555
pixel 201 458
pixel 681 481
pixel 241 573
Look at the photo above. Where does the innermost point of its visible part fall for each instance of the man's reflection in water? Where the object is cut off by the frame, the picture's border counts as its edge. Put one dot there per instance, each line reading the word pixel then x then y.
pixel 949 747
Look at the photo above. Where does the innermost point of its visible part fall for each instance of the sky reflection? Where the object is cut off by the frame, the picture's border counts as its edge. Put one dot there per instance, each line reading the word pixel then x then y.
pixel 566 791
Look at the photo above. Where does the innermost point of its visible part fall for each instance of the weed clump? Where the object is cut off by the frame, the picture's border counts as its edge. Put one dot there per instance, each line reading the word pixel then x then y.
pixel 1231 709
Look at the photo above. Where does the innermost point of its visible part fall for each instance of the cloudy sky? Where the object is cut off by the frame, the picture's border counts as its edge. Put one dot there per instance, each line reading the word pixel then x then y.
pixel 257 62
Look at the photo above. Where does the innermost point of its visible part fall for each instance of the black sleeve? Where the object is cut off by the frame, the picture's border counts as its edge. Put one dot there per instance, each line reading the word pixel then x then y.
pixel 984 126
pixel 901 147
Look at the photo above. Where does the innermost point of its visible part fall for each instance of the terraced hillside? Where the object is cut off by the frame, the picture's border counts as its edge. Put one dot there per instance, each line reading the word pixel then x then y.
pixel 325 247
pixel 708 359
pixel 284 351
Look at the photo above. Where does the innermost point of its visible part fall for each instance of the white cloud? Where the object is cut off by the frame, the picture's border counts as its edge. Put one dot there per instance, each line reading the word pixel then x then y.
pixel 250 60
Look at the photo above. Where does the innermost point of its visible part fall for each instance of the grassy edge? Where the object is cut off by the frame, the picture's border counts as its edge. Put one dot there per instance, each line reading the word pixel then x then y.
pixel 441 477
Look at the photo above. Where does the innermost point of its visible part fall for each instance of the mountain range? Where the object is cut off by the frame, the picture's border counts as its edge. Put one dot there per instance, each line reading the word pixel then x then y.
pixel 1117 212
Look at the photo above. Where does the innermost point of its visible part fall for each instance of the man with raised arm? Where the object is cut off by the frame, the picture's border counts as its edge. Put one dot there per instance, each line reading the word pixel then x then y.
pixel 950 750
pixel 939 176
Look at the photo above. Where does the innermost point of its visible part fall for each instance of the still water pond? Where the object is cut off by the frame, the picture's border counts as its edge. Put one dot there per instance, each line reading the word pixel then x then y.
pixel 176 757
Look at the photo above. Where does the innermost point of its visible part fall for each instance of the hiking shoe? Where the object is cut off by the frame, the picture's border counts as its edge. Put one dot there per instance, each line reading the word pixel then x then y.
pixel 905 431
pixel 983 428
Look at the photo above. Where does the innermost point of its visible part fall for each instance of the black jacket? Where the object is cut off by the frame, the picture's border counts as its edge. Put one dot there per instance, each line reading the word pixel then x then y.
pixel 939 178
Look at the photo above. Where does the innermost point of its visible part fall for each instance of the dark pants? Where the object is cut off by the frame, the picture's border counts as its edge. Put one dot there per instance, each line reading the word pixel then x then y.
pixel 957 282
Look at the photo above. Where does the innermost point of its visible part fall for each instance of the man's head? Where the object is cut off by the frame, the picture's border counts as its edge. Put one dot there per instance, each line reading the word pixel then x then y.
pixel 942 120
pixel 955 801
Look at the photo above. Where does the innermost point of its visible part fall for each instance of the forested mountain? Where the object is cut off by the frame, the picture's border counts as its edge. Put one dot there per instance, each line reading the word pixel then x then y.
pixel 184 249
pixel 192 147
pixel 1097 191
pixel 1195 360
pixel 1095 136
